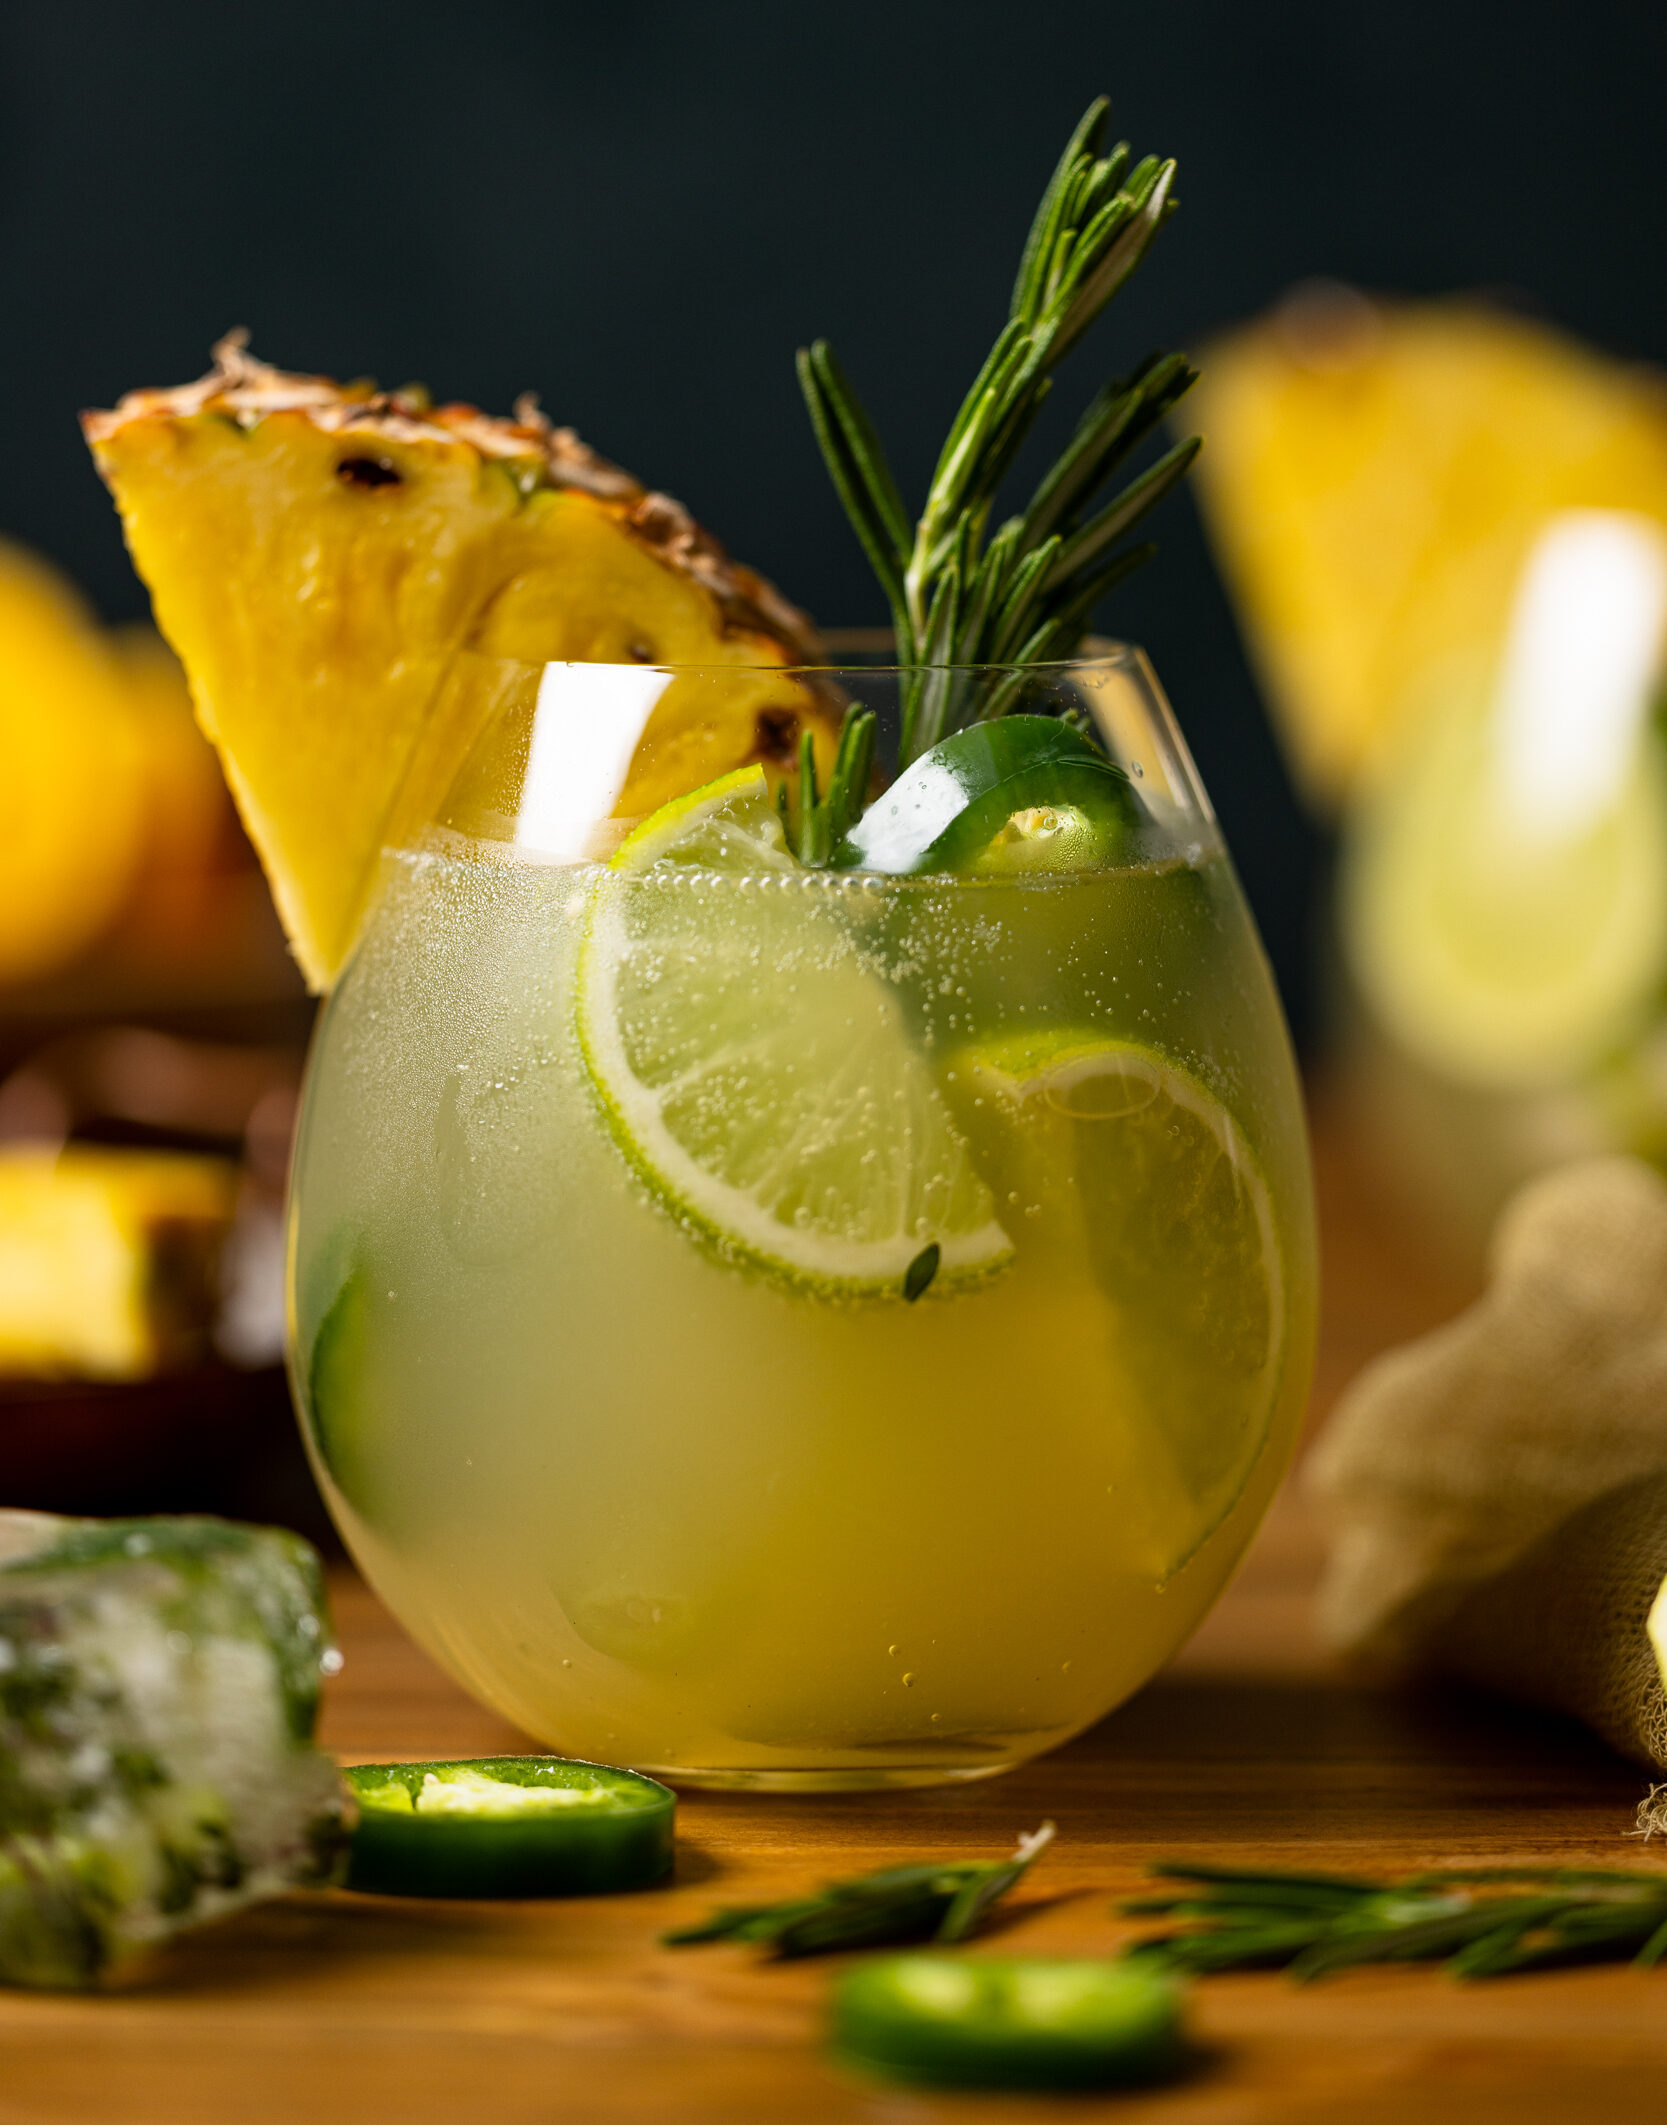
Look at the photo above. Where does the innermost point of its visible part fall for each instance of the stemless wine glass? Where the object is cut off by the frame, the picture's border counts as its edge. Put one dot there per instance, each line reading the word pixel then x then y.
pixel 799 1328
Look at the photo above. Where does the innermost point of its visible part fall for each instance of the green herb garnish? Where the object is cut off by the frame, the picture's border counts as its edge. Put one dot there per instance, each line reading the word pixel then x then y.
pixel 819 821
pixel 1023 595
pixel 930 1901
pixel 1476 1921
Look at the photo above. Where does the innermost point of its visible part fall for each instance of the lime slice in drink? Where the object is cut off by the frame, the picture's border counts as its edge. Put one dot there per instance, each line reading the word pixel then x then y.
pixel 1497 952
pixel 756 1070
pixel 1131 1171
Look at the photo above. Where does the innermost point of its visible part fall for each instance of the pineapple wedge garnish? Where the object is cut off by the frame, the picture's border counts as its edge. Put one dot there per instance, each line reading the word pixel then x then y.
pixel 319 554
pixel 1375 477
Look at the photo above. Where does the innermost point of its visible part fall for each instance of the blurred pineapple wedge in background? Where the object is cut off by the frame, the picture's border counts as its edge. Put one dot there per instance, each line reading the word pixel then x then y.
pixel 124 880
pixel 72 812
pixel 1375 477
pixel 320 554
pixel 109 1259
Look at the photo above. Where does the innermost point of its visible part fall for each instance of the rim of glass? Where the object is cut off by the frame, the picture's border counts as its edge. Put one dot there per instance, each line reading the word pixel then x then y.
pixel 852 649
pixel 488 801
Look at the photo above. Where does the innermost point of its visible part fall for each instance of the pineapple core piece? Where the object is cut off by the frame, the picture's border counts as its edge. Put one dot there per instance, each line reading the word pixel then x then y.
pixel 319 555
pixel 159 1681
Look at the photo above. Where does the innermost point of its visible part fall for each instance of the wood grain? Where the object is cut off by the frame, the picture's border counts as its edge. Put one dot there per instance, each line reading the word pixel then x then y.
pixel 1251 1747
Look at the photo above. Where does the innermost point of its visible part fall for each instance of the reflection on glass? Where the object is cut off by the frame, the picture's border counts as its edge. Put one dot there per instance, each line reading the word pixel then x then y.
pixel 589 723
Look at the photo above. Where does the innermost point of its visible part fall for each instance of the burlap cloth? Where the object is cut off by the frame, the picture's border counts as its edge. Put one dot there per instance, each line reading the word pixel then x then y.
pixel 1497 1492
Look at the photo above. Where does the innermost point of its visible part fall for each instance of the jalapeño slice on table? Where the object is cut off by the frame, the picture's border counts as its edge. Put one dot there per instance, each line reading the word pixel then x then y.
pixel 1022 792
pixel 508 1826
pixel 972 2022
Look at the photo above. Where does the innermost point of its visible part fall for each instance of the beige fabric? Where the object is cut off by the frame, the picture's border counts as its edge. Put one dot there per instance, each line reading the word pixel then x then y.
pixel 1564 1626
pixel 1451 1460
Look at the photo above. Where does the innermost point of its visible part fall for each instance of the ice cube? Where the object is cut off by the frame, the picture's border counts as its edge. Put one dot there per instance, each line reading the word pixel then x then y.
pixel 159 1684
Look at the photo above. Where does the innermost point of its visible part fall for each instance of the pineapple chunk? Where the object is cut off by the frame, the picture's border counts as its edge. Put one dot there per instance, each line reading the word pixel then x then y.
pixel 1374 479
pixel 108 1259
pixel 319 556
pixel 159 1682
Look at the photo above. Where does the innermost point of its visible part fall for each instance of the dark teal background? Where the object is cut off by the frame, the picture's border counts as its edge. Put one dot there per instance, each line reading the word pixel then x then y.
pixel 640 209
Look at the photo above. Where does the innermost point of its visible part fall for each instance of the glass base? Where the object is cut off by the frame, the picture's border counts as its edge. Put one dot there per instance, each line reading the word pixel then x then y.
pixel 853 1778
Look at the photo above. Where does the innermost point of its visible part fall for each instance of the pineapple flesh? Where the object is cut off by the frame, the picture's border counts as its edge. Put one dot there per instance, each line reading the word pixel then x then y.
pixel 319 556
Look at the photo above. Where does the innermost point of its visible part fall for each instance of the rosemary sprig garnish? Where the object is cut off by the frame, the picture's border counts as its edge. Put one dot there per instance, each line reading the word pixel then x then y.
pixel 1025 594
pixel 1476 1921
pixel 820 819
pixel 928 1901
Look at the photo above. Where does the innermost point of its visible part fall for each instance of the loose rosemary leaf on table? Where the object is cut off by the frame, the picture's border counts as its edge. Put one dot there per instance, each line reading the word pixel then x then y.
pixel 1024 594
pixel 926 1901
pixel 1477 1921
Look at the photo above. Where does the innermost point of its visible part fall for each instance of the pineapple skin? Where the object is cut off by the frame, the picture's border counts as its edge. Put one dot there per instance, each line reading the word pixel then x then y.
pixel 319 556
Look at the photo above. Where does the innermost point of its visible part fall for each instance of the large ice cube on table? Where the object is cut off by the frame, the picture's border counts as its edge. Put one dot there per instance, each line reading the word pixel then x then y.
pixel 159 1683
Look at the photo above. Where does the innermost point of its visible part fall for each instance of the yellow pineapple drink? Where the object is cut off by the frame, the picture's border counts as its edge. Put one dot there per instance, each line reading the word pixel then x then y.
pixel 614 1184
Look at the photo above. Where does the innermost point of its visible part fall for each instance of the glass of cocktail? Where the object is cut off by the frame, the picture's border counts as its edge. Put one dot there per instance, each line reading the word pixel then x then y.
pixel 801 1264
pixel 804 1325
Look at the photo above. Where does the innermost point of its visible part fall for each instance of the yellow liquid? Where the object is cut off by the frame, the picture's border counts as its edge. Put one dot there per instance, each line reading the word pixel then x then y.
pixel 661 1509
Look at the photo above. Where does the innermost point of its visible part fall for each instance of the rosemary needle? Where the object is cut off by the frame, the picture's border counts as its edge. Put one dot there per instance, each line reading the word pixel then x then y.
pixel 1478 1922
pixel 820 820
pixel 930 1900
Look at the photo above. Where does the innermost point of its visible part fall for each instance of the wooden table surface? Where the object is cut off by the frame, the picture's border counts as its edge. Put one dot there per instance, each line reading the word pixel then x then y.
pixel 1250 1747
